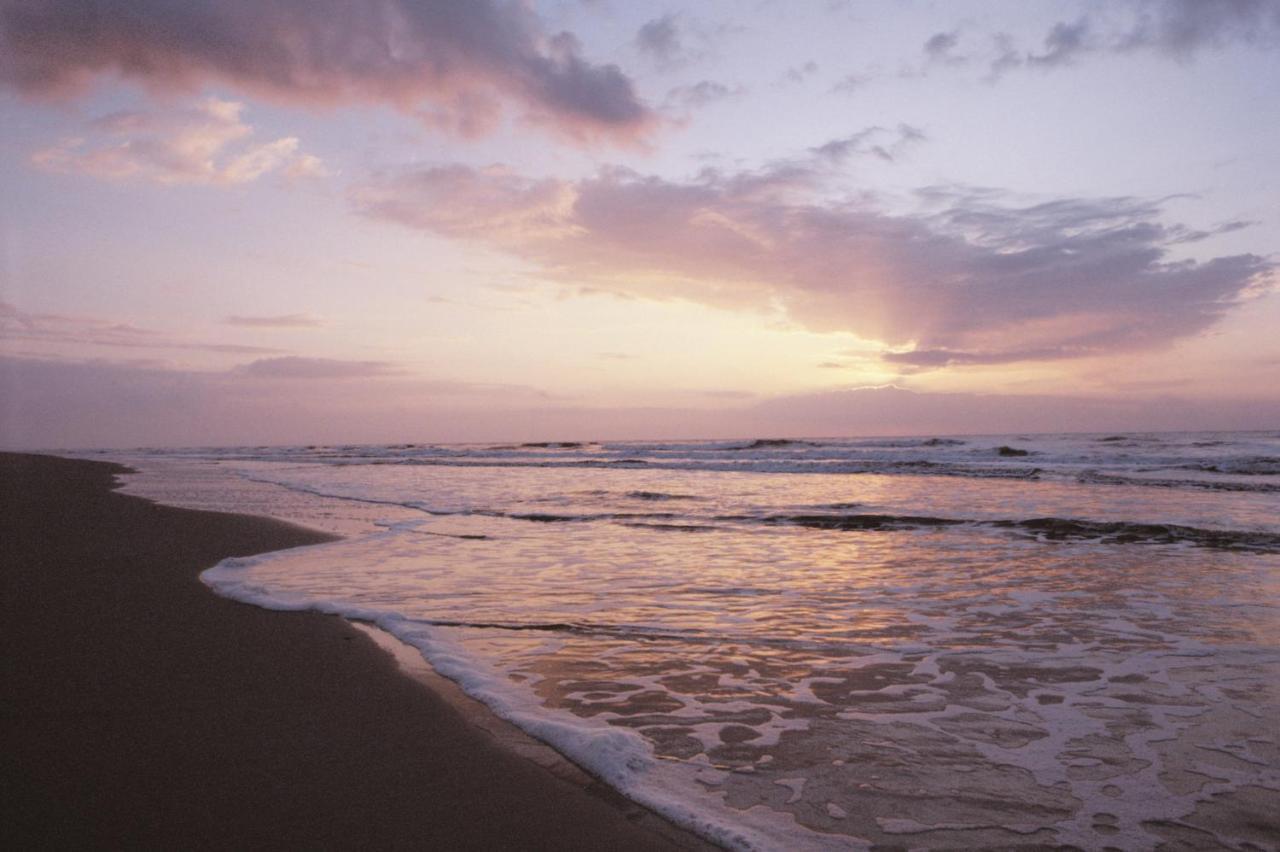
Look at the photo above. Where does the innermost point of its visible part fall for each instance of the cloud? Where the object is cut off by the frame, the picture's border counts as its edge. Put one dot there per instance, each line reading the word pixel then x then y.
pixel 1178 29
pixel 276 321
pixel 1063 44
pixel 674 40
pixel 1007 56
pixel 970 275
pixel 1181 28
pixel 295 367
pixel 879 142
pixel 797 74
pixel 20 325
pixel 940 48
pixel 700 94
pixel 206 145
pixel 934 358
pixel 454 65
pixel 851 83
pixel 659 39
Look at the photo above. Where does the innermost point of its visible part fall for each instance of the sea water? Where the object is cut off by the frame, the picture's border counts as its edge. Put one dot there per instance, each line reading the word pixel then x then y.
pixel 912 642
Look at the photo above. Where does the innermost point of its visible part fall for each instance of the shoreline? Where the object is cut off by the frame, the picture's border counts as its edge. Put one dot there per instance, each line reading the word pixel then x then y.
pixel 143 709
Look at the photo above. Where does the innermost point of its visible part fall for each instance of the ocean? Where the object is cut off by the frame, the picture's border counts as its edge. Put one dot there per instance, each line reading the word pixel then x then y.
pixel 937 642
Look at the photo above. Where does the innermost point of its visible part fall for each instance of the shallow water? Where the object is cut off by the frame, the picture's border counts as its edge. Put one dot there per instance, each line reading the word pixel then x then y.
pixel 827 644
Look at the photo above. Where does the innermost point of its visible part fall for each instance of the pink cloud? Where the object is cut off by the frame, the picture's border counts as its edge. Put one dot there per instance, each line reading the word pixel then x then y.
pixel 968 278
pixel 206 144
pixel 453 64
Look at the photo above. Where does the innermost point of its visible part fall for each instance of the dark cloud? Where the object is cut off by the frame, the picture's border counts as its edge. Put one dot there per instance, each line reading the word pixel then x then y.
pixel 972 278
pixel 659 39
pixel 452 64
pixel 1179 29
pixel 276 321
pixel 294 367
pixel 940 47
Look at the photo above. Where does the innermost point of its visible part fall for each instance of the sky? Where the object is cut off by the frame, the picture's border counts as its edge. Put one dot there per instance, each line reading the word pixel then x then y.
pixel 320 221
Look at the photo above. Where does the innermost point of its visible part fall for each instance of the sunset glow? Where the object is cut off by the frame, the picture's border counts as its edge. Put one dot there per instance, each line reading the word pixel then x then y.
pixel 288 223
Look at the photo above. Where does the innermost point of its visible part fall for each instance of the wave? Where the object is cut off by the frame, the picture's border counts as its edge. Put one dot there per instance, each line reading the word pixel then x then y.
pixel 1256 466
pixel 775 443
pixel 552 445
pixel 658 496
pixel 1046 529
pixel 548 518
pixel 1041 529
pixel 1096 478
pixel 860 522
pixel 920 467
pixel 220 578
pixel 1124 532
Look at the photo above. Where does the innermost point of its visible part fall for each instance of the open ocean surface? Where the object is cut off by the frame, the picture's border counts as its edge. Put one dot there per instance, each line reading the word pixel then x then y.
pixel 899 642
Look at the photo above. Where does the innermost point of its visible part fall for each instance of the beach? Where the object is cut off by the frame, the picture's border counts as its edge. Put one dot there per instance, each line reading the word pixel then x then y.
pixel 140 710
pixel 951 642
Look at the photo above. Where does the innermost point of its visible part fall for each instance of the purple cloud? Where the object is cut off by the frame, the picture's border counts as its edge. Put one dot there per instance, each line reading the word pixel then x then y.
pixel 452 64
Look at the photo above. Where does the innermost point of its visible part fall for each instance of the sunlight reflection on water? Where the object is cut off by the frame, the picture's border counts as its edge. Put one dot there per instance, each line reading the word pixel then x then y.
pixel 887 679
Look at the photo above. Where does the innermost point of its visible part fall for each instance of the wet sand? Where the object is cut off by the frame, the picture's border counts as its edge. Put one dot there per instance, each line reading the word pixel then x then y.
pixel 140 710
